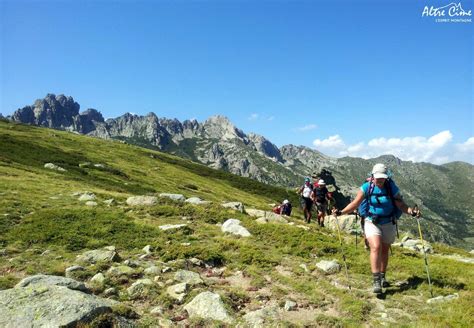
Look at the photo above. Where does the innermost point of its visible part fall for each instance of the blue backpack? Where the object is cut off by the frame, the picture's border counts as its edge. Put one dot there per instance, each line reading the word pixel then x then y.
pixel 364 207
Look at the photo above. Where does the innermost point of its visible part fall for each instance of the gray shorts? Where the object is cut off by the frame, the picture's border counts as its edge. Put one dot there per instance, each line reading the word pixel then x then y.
pixel 387 231
pixel 322 207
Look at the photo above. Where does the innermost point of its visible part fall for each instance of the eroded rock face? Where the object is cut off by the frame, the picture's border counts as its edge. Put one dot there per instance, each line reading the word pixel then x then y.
pixel 208 305
pixel 41 304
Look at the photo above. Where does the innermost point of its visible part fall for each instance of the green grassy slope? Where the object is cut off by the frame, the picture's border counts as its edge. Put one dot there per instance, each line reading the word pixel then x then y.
pixel 38 213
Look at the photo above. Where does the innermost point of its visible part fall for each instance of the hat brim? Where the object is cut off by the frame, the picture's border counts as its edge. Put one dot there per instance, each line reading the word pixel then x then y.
pixel 380 176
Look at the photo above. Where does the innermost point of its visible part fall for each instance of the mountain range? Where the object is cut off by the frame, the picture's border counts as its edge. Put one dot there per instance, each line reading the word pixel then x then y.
pixel 444 192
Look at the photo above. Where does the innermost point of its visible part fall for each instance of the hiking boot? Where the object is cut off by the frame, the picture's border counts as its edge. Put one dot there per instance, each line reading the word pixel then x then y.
pixel 384 282
pixel 377 286
pixel 377 282
pixel 322 224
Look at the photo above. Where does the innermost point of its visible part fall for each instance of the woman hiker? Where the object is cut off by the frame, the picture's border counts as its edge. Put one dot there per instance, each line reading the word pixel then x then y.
pixel 305 192
pixel 379 227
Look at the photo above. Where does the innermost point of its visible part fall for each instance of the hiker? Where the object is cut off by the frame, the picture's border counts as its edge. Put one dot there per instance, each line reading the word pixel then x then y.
pixel 305 192
pixel 286 208
pixel 283 209
pixel 320 198
pixel 384 200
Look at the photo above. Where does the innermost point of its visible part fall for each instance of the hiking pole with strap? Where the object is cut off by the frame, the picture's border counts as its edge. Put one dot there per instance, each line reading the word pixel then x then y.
pixel 342 251
pixel 424 251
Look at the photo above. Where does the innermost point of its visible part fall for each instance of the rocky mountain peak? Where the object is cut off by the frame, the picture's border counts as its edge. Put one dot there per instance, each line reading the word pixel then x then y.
pixel 220 127
pixel 265 147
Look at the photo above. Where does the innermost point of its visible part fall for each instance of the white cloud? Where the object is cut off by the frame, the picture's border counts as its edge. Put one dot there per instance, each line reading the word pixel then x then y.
pixel 253 117
pixel 437 149
pixel 270 118
pixel 333 142
pixel 308 127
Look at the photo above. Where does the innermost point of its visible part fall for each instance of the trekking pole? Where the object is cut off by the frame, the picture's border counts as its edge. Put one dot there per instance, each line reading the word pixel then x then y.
pixel 342 251
pixel 424 251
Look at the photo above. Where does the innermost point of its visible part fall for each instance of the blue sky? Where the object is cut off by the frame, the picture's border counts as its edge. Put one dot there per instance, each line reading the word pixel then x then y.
pixel 358 78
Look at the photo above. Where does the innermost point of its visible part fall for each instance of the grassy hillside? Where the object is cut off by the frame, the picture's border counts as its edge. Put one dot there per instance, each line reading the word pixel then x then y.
pixel 39 213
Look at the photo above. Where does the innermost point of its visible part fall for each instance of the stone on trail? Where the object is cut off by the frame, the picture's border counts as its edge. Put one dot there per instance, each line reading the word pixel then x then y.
pixel 233 226
pixel 42 279
pixel 290 305
pixel 49 306
pixel 238 206
pixel 208 305
pixel 442 299
pixel 175 197
pixel 142 200
pixel 329 267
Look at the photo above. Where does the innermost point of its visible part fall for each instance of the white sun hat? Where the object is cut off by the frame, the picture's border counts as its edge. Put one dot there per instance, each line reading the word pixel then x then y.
pixel 379 171
pixel 321 182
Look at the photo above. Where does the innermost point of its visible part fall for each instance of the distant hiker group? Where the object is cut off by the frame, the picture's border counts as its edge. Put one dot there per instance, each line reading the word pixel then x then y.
pixel 379 204
pixel 315 193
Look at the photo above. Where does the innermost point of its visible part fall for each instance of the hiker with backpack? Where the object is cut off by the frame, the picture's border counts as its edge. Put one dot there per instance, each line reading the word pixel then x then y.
pixel 384 205
pixel 283 209
pixel 306 201
pixel 320 198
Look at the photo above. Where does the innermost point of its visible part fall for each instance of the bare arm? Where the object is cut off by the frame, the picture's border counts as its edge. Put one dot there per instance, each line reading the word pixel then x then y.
pixel 403 206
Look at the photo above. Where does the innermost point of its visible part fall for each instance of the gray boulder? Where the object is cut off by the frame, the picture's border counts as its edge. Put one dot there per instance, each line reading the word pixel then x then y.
pixel 238 206
pixel 153 270
pixel 233 226
pixel 189 277
pixel 42 279
pixel 98 280
pixel 271 218
pixel 72 271
pixel 49 306
pixel 208 305
pixel 197 201
pixel 178 291
pixel 139 288
pixel 256 213
pixel 106 254
pixel 329 267
pixel 262 318
pixel 175 197
pixel 142 200
pixel 87 196
pixel 121 270
pixel 172 226
pixel 55 167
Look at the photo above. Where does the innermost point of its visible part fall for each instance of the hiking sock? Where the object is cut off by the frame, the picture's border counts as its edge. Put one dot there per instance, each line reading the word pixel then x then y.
pixel 377 283
pixel 384 282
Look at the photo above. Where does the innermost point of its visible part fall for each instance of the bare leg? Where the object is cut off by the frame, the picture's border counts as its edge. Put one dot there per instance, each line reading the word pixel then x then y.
pixel 384 257
pixel 375 243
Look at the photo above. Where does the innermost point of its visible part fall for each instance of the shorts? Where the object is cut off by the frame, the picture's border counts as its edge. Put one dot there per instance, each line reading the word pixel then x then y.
pixel 387 231
pixel 307 203
pixel 322 207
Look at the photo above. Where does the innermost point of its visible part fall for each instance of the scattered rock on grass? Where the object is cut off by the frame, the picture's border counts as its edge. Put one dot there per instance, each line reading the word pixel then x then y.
pixel 197 201
pixel 328 267
pixel 106 254
pixel 142 200
pixel 290 305
pixel 55 167
pixel 175 197
pixel 442 299
pixel 172 226
pixel 42 279
pixel 189 277
pixel 233 226
pixel 208 305
pixel 238 206
pixel 178 291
